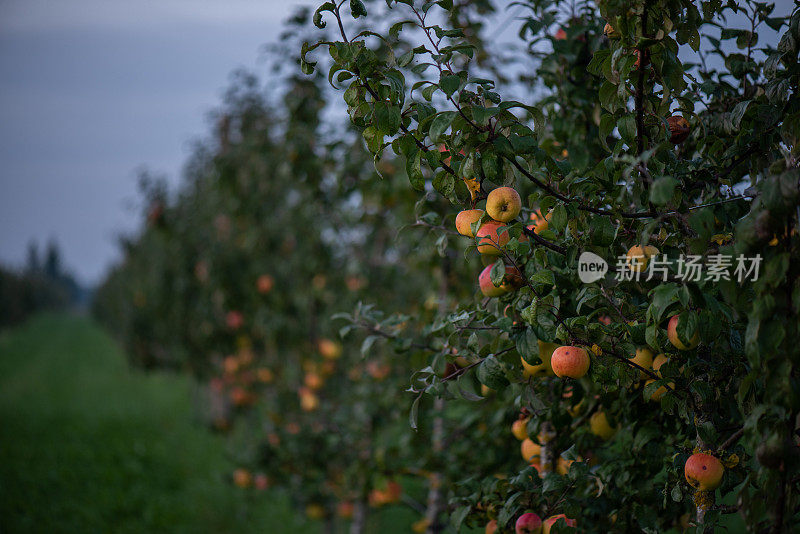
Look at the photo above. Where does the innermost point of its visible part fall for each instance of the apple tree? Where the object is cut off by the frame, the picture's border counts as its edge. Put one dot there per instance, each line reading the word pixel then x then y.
pixel 661 137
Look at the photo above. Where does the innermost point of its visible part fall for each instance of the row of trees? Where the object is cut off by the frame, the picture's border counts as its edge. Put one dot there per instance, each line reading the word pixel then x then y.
pixel 312 273
pixel 43 284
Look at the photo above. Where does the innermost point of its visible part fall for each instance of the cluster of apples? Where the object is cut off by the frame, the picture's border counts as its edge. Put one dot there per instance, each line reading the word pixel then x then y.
pixel 531 523
pixel 315 373
pixel 502 206
pixel 531 451
pixel 245 479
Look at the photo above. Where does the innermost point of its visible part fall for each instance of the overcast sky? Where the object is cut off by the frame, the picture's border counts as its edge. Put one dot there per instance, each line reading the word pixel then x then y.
pixel 92 90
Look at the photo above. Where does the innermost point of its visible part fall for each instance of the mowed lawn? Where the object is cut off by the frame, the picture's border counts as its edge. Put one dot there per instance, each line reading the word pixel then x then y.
pixel 88 445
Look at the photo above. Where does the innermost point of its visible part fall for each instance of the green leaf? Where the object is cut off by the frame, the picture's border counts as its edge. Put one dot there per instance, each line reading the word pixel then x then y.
pixel 357 9
pixel 414 170
pixel 602 231
pixel 558 219
pixel 490 373
pixel 317 19
pixel 449 83
pixel 738 112
pixel 627 129
pixel 662 190
pixel 441 122
pixel 498 272
pixel 413 413
pixel 444 183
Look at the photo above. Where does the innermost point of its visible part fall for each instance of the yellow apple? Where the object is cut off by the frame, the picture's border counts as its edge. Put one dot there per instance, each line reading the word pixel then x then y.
pixel 638 257
pixel 503 204
pixel 520 428
pixel 600 427
pixel 643 358
pixel 465 219
pixel 530 450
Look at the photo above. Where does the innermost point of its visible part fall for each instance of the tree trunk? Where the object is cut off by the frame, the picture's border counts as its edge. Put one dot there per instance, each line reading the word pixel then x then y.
pixel 435 503
pixel 359 517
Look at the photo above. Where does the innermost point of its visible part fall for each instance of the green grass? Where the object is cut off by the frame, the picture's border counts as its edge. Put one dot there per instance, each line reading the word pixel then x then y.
pixel 88 445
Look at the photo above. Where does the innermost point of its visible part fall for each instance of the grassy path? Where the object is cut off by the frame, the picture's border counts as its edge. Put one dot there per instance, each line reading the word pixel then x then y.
pixel 88 445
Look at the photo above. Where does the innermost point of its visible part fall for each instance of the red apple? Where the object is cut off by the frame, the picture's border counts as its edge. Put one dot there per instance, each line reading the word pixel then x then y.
pixel 234 320
pixel 511 281
pixel 550 521
pixel 528 523
pixel 264 284
pixel 572 362
pixel 489 242
pixel 703 471
pixel 672 335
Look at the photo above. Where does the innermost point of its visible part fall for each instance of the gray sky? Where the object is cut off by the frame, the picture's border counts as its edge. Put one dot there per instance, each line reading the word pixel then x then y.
pixel 91 90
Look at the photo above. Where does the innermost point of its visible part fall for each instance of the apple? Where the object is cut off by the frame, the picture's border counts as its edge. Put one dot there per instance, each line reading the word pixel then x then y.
pixel 638 257
pixel 560 35
pixel 230 364
pixel 261 482
pixel 600 427
pixel 540 223
pixel 562 466
pixel 658 361
pixel 330 350
pixel 550 521
pixel 488 288
pixel 530 450
pixel 315 511
pixel 679 129
pixel 503 204
pixel 568 361
pixel 393 491
pixel 234 320
pixel 489 241
pixel 308 400
pixel 520 429
pixel 264 284
pixel 491 527
pixel 312 381
pixel 660 392
pixel 378 370
pixel 672 335
pixel 345 509
pixel 703 472
pixel 242 478
pixel 544 368
pixel 528 523
pixel 643 358
pixel 465 219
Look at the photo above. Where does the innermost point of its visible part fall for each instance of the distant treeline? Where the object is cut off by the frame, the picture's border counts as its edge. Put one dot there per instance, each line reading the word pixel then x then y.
pixel 41 285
